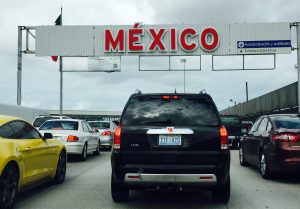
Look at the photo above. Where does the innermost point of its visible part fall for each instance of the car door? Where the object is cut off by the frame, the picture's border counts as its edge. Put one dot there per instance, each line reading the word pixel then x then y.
pixel 93 136
pixel 248 139
pixel 38 154
pixel 257 139
pixel 87 136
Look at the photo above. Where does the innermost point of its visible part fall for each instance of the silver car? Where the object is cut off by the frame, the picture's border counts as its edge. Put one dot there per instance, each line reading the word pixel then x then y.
pixel 105 130
pixel 77 135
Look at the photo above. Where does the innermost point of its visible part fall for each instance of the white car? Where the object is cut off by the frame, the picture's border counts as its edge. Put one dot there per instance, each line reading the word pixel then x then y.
pixel 77 135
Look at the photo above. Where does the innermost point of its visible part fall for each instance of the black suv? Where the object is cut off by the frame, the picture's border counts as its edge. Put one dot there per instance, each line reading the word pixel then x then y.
pixel 170 142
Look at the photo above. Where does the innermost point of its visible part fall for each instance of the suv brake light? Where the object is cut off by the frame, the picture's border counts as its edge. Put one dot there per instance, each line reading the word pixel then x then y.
pixel 106 133
pixel 117 138
pixel 224 137
pixel 286 137
pixel 72 138
pixel 170 97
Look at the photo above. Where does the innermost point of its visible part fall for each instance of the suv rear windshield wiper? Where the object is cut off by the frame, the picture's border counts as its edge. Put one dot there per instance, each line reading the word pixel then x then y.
pixel 168 122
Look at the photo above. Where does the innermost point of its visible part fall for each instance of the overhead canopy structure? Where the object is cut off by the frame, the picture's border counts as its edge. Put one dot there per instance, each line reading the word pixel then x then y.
pixel 162 40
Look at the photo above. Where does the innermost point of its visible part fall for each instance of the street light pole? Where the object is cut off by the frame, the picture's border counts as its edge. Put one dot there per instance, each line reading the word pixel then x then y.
pixel 183 61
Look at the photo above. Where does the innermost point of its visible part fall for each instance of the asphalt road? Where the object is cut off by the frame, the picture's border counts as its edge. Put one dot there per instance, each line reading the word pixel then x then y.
pixel 87 186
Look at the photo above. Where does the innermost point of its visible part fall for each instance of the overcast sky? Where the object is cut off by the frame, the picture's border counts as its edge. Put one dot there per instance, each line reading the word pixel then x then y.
pixel 103 91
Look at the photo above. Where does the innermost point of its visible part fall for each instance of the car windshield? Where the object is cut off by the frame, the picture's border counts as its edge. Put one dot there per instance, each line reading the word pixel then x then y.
pixel 39 121
pixel 287 122
pixel 59 125
pixel 230 119
pixel 100 124
pixel 183 111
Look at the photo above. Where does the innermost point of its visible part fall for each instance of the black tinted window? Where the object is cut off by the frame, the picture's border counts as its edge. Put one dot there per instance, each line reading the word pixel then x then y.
pixel 6 131
pixel 184 111
pixel 287 122
pixel 23 130
pixel 59 125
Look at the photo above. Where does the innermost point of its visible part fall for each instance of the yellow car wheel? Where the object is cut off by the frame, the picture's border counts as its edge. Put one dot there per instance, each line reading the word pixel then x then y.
pixel 8 186
pixel 61 168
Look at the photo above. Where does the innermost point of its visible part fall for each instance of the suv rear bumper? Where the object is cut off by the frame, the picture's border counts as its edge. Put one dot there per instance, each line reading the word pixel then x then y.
pixel 158 174
pixel 161 179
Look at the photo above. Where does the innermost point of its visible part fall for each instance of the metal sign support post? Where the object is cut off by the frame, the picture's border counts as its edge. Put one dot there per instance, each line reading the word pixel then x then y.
pixel 183 61
pixel 298 62
pixel 61 85
pixel 61 74
pixel 19 73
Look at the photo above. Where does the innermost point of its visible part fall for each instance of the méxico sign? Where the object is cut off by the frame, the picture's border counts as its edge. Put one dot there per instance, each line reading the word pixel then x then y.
pixel 163 40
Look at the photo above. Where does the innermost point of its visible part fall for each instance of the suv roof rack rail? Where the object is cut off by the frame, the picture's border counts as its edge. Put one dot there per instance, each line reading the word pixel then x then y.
pixel 203 91
pixel 137 91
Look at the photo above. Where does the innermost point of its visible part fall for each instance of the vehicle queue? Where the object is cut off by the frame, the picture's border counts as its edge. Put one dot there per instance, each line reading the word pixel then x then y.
pixel 29 156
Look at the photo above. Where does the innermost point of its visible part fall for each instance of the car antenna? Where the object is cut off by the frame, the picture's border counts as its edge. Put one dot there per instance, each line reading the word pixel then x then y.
pixel 175 91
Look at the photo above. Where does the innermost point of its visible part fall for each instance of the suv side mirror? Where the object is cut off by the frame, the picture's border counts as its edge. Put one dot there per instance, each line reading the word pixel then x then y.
pixel 47 136
pixel 96 130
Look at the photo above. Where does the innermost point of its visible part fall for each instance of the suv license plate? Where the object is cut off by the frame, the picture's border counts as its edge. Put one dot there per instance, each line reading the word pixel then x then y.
pixel 169 140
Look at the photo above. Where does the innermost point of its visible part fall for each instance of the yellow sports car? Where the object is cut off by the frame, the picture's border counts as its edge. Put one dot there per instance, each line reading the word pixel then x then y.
pixel 27 158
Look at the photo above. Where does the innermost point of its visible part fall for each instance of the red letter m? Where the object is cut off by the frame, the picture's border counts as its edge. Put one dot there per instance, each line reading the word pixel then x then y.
pixel 114 44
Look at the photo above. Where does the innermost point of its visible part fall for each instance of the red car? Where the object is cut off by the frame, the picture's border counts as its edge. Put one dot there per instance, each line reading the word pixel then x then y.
pixel 273 144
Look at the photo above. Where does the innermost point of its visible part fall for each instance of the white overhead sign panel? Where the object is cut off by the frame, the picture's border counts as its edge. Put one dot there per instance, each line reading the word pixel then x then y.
pixel 162 40
pixel 107 64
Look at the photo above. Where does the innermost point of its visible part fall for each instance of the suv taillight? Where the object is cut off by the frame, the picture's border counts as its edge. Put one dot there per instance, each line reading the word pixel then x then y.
pixel 170 97
pixel 224 137
pixel 106 133
pixel 117 138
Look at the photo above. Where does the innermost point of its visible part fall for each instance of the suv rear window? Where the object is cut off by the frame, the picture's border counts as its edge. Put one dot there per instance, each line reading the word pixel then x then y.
pixel 39 121
pixel 59 125
pixel 183 111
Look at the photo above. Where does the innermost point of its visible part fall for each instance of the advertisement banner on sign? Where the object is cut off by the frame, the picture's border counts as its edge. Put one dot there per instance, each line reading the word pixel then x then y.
pixel 107 64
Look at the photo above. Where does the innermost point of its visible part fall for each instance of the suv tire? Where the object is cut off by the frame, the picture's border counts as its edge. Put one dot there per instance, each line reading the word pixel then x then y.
pixel 119 192
pixel 221 193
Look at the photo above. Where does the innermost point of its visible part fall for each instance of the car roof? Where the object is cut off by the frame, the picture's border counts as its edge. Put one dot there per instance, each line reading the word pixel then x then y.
pixel 66 119
pixel 6 118
pixel 106 121
pixel 179 94
pixel 51 116
pixel 200 95
pixel 283 115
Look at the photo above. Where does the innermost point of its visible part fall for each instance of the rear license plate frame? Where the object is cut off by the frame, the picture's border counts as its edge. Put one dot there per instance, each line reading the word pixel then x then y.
pixel 169 140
